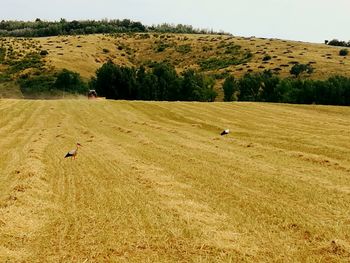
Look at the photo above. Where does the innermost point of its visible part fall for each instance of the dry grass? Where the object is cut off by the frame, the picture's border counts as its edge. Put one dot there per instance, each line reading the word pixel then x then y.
pixel 154 182
pixel 85 54
pixel 10 90
pixel 137 50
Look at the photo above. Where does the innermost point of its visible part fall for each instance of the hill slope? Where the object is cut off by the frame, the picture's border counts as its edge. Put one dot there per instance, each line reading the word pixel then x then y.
pixel 186 50
pixel 219 55
pixel 154 182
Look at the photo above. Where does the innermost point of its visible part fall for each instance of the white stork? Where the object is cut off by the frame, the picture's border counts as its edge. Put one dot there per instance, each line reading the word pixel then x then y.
pixel 224 132
pixel 73 153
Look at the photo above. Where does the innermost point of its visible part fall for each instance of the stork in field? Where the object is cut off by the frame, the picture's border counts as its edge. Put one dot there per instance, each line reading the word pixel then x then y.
pixel 224 132
pixel 73 153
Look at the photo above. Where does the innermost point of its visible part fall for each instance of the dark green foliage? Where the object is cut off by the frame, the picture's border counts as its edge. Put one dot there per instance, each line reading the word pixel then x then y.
pixel 115 82
pixel 70 81
pixel 266 58
pixel 298 69
pixel 4 77
pixel 219 62
pixel 161 47
pixel 36 84
pixel 51 84
pixel 105 50
pixel 230 87
pixel 343 52
pixel 63 27
pixel 31 60
pixel 161 82
pixel 197 87
pixel 336 42
pixel 2 54
pixel 251 85
pixel 167 83
pixel 40 28
pixel 268 87
pixel 220 75
pixel 232 49
pixel 43 52
pixel 183 49
pixel 183 29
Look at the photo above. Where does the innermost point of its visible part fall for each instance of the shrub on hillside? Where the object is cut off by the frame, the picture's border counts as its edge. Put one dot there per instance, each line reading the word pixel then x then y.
pixel 343 52
pixel 214 63
pixel 298 69
pixel 31 60
pixel 43 52
pixel 161 46
pixel 266 58
pixel 183 49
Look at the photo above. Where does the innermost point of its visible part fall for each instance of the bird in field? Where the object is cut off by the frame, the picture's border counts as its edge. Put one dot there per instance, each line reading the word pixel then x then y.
pixel 224 132
pixel 73 153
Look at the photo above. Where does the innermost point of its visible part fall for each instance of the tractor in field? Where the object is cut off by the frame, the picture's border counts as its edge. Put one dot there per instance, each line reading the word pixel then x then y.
pixel 92 94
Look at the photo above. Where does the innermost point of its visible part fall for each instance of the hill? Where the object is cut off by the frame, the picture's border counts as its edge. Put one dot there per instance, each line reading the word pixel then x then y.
pixel 155 182
pixel 218 55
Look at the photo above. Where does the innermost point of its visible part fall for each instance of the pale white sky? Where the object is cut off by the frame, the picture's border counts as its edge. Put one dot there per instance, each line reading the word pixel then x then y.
pixel 305 20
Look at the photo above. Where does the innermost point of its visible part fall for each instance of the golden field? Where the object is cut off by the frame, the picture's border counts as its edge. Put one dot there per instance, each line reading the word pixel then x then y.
pixel 155 182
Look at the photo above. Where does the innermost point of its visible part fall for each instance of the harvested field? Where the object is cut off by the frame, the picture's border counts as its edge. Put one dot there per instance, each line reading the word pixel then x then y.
pixel 155 182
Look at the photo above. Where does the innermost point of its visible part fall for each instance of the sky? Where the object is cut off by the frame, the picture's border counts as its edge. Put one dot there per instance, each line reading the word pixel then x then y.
pixel 304 20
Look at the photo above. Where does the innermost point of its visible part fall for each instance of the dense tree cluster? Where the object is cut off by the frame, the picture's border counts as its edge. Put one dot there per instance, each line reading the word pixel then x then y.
pixel 39 28
pixel 339 43
pixel 267 87
pixel 161 82
pixel 182 29
pixel 64 80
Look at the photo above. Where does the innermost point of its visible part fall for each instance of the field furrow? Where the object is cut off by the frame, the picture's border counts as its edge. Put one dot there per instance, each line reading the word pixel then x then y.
pixel 155 182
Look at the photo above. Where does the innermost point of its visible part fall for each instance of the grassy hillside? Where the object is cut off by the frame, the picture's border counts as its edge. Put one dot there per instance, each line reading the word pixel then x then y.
pixel 137 50
pixel 155 182
pixel 218 55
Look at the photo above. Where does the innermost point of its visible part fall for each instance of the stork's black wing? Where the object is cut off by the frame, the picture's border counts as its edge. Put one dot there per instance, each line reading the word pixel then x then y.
pixel 68 155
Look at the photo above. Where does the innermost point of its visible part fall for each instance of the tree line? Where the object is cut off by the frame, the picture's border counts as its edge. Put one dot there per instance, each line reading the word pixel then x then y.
pixel 41 28
pixel 267 87
pixel 52 84
pixel 160 82
pixel 339 43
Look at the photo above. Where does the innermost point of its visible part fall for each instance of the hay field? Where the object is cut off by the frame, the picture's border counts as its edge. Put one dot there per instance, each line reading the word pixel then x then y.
pixel 154 182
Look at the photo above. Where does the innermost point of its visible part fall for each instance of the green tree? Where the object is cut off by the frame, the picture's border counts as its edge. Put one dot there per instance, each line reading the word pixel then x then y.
pixel 105 81
pixel 229 87
pixel 298 69
pixel 167 82
pixel 197 87
pixel 70 81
